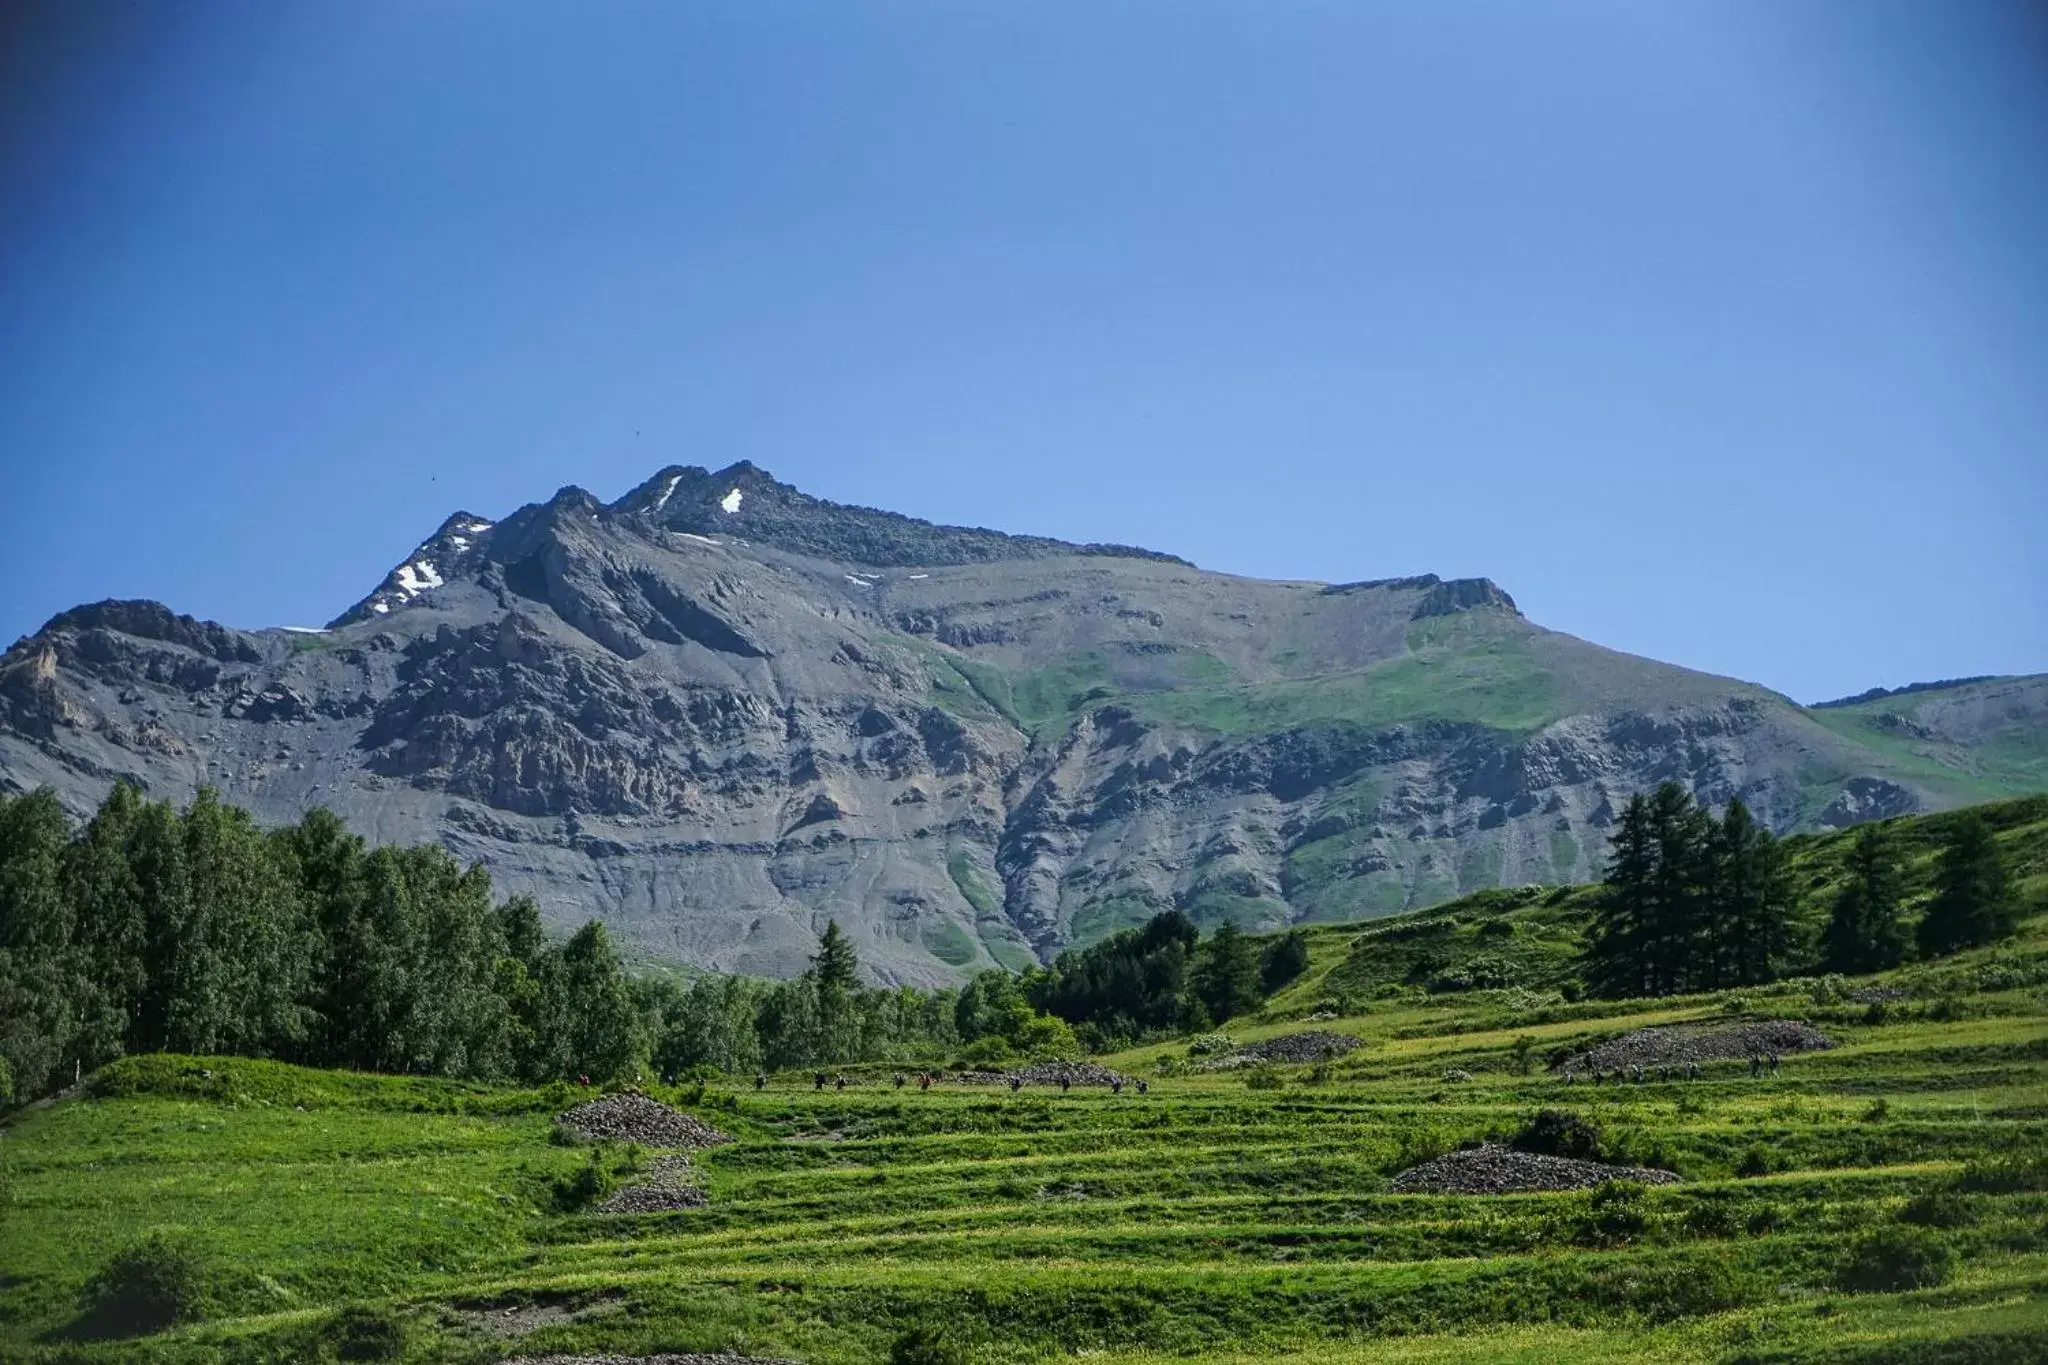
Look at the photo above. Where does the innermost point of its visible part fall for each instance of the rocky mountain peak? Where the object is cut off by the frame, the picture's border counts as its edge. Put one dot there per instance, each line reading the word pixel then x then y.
pixel 747 501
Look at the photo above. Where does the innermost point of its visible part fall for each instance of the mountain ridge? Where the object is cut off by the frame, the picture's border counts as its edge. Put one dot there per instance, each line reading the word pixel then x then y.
pixel 717 711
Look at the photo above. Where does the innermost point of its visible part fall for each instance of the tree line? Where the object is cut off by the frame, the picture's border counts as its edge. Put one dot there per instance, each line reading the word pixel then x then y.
pixel 1692 902
pixel 153 929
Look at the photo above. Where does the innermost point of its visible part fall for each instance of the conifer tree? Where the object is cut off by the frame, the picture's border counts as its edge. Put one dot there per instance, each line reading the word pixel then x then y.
pixel 1226 973
pixel 1749 906
pixel 1618 942
pixel 1972 902
pixel 1862 933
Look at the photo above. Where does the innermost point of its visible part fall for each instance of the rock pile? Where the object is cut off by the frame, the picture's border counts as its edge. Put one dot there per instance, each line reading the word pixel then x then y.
pixel 645 1360
pixel 633 1117
pixel 670 1185
pixel 1043 1073
pixel 1311 1045
pixel 1682 1043
pixel 1878 995
pixel 1503 1170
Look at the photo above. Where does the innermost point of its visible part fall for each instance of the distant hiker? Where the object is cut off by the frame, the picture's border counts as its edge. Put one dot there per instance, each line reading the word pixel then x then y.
pixel 1143 1088
pixel 1639 1073
pixel 1116 1087
pixel 1569 1075
pixel 924 1080
pixel 583 1081
pixel 1663 1074
pixel 899 1080
pixel 839 1081
pixel 1774 1063
pixel 818 1081
pixel 760 1081
pixel 1756 1066
pixel 1063 1085
pixel 1016 1083
pixel 1597 1077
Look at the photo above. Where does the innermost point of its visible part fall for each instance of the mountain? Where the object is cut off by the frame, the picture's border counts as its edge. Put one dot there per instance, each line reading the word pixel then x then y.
pixel 718 711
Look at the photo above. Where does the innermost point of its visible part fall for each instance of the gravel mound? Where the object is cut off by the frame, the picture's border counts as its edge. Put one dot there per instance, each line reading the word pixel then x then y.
pixel 1879 995
pixel 1043 1073
pixel 1311 1045
pixel 1074 1073
pixel 670 1185
pixel 1503 1170
pixel 1696 1043
pixel 633 1117
pixel 645 1360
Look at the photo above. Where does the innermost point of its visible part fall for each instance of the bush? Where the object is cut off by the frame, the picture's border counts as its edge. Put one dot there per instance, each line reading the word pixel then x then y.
pixel 157 1282
pixel 1560 1132
pixel 1263 1078
pixel 1764 1220
pixel 1711 1218
pixel 593 1181
pixel 926 1346
pixel 367 1334
pixel 1615 1213
pixel 1211 1044
pixel 2011 1173
pixel 1889 1260
pixel 1755 1161
pixel 1938 1209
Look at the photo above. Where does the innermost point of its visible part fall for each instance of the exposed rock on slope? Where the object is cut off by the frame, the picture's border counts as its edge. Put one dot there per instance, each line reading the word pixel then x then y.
pixel 717 712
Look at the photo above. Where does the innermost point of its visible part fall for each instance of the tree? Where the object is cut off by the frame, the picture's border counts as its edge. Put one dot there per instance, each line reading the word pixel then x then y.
pixel 836 966
pixel 598 1021
pixel 1285 959
pixel 110 932
pixel 39 981
pixel 1745 920
pixel 1862 933
pixel 1226 975
pixel 1616 958
pixel 1972 902
pixel 1677 919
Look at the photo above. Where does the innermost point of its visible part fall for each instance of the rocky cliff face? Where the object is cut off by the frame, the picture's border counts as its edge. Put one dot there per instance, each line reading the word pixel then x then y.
pixel 718 712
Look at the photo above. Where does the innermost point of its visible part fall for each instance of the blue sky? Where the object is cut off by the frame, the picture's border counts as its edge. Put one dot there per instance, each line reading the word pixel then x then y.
pixel 1717 332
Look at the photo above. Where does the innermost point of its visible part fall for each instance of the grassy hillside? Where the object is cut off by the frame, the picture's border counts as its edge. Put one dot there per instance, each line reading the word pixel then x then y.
pixel 1528 937
pixel 1223 1217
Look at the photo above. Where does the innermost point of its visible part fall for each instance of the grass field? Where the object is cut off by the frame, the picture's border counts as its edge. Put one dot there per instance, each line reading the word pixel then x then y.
pixel 1223 1217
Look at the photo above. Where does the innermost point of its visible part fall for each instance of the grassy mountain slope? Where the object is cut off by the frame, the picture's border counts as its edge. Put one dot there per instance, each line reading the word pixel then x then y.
pixel 1528 938
pixel 1212 1220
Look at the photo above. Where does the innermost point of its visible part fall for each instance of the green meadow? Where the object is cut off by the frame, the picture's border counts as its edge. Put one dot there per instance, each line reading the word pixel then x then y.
pixel 1228 1216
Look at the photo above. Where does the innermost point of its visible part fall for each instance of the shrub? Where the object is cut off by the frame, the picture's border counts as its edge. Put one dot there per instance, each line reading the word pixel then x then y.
pixel 1888 1260
pixel 926 1346
pixel 1712 1217
pixel 1764 1220
pixel 1560 1132
pixel 1879 1110
pixel 151 1284
pixel 1938 1209
pixel 1263 1078
pixel 1755 1161
pixel 367 1334
pixel 1211 1044
pixel 1615 1213
pixel 1521 1054
pixel 2010 1173
pixel 593 1181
